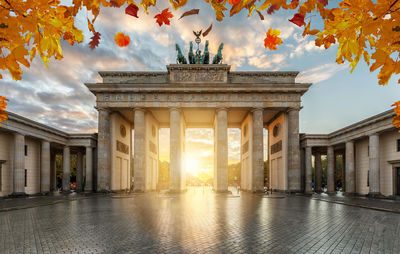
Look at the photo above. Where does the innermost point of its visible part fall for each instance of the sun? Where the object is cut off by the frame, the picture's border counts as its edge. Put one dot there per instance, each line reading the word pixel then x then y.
pixel 192 165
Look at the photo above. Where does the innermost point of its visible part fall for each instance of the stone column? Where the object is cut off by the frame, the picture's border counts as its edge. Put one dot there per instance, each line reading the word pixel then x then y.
pixel 139 159
pixel 374 167
pixel 318 171
pixel 79 171
pixel 350 174
pixel 45 167
pixel 258 151
pixel 53 173
pixel 19 165
pixel 104 151
pixel 308 160
pixel 176 139
pixel 221 150
pixel 330 170
pixel 89 169
pixel 294 172
pixel 66 169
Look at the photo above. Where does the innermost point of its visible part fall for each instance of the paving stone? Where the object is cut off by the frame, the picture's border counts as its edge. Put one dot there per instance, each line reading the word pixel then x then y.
pixel 198 222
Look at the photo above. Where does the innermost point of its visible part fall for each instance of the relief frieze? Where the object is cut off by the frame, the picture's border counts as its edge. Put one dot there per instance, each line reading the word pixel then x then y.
pixel 198 97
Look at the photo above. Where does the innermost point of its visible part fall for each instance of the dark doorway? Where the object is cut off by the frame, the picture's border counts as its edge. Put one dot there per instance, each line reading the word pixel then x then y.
pixel 398 180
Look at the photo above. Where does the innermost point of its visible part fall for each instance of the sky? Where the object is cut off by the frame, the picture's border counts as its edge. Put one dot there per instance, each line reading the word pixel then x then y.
pixel 58 97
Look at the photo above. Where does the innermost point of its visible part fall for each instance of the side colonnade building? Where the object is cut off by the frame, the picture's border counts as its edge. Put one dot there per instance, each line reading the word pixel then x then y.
pixel 28 152
pixel 370 152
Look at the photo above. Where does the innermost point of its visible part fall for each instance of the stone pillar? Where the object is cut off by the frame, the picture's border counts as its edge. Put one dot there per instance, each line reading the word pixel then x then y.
pixel 89 169
pixel 139 159
pixel 176 139
pixel 330 170
pixel 258 151
pixel 53 173
pixel 19 165
pixel 308 160
pixel 318 172
pixel 374 168
pixel 104 151
pixel 66 169
pixel 79 171
pixel 221 151
pixel 294 172
pixel 45 167
pixel 350 174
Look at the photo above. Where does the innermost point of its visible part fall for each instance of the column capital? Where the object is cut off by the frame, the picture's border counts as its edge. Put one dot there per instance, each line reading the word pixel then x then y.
pixel 19 134
pixel 139 109
pixel 293 109
pixel 257 109
pixel 373 134
pixel 104 109
pixel 221 109
pixel 179 109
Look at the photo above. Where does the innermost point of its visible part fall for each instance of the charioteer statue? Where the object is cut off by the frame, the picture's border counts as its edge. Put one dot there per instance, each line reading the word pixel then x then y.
pixel 199 58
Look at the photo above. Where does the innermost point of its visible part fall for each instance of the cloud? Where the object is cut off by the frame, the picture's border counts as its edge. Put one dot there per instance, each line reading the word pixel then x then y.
pixel 320 73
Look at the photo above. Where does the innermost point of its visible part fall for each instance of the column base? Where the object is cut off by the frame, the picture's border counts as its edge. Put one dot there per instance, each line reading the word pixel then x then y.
pixel 45 193
pixel 176 191
pixel 66 191
pixel 375 195
pixel 18 195
pixel 330 192
pixel 103 191
pixel 293 191
pixel 308 193
pixel 222 191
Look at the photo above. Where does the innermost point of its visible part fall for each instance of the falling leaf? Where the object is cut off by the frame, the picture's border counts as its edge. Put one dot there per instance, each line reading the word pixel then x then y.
pixel 308 31
pixel 272 9
pixel 207 31
pixel 132 10
pixel 164 17
pixel 122 40
pixel 260 14
pixel 94 40
pixel 191 12
pixel 272 39
pixel 298 19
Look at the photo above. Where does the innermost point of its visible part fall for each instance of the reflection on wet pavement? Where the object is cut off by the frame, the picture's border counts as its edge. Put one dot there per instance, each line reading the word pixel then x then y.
pixel 199 221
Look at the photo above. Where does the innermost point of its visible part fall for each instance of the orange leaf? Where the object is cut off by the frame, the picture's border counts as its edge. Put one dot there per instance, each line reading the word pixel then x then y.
pixel 272 39
pixel 122 40
pixel 163 17
pixel 260 14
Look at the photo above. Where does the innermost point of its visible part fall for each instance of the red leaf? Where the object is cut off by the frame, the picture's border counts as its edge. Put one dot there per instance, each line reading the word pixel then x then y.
pixel 298 19
pixel 207 31
pixel 94 40
pixel 272 9
pixel 132 10
pixel 323 2
pixel 163 17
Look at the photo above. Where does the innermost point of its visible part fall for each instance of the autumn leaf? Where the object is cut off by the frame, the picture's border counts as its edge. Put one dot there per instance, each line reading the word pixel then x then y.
pixel 132 10
pixel 163 17
pixel 307 30
pixel 114 4
pixel 272 39
pixel 218 7
pixel 396 119
pixel 3 113
pixel 94 40
pixel 323 2
pixel 122 40
pixel 260 14
pixel 206 32
pixel 191 12
pixel 298 19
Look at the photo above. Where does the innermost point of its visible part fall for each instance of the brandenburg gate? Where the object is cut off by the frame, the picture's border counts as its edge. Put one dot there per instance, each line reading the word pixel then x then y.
pixel 196 96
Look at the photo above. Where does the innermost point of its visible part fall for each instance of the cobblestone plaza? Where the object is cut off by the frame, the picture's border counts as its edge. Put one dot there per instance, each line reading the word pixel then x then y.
pixel 199 221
